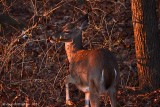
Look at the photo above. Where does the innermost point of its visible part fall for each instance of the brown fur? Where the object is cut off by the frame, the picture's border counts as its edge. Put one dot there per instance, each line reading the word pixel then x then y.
pixel 86 66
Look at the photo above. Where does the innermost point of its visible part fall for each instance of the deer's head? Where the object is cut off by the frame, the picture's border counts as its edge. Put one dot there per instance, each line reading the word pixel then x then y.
pixel 72 31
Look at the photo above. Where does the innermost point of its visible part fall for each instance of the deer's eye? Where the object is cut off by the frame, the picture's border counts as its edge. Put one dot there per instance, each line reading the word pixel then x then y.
pixel 67 32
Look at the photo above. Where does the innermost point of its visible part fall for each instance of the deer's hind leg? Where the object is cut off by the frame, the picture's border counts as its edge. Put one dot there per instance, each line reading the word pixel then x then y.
pixel 112 94
pixel 94 95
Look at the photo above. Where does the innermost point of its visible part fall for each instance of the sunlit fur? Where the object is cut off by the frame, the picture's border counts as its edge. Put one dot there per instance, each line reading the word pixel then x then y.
pixel 95 72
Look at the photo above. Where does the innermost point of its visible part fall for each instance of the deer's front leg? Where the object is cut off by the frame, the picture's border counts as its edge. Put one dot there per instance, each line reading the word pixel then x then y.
pixel 87 99
pixel 86 90
pixel 68 80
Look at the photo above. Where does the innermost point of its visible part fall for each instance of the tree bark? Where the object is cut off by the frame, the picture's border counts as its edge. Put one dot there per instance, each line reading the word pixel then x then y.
pixel 158 10
pixel 147 43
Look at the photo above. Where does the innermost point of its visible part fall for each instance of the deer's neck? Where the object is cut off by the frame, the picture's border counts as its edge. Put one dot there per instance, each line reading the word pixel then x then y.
pixel 72 48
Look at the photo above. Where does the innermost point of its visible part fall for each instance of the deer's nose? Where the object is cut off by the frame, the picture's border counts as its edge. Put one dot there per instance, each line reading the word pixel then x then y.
pixel 60 37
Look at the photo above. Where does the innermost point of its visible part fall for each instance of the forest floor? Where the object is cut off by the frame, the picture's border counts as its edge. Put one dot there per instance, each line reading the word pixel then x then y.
pixel 32 70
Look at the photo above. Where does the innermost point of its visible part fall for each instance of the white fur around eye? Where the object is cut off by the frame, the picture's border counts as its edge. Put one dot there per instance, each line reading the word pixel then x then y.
pixel 66 33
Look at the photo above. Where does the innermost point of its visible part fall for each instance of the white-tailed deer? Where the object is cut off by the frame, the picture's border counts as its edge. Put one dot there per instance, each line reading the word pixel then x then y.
pixel 95 72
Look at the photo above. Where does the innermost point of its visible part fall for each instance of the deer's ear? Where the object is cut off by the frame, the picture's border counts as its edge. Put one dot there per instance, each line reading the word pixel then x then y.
pixel 84 25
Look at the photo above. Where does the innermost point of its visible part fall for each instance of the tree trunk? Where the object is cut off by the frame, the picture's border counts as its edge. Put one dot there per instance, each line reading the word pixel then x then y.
pixel 158 2
pixel 147 43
